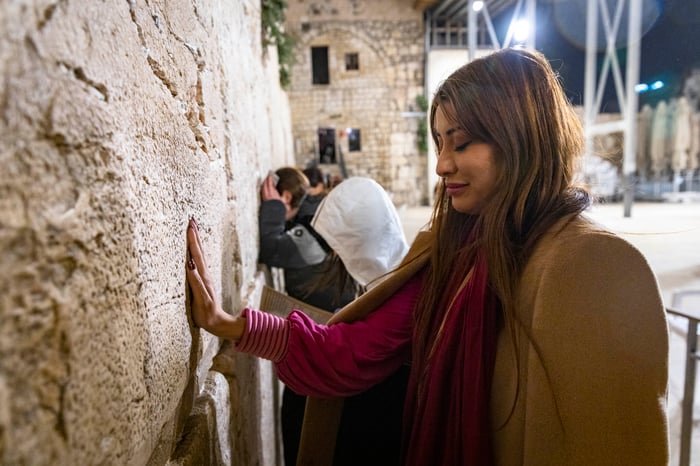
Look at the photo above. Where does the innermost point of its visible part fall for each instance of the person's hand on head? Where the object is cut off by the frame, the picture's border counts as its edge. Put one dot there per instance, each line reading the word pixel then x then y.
pixel 269 189
pixel 206 311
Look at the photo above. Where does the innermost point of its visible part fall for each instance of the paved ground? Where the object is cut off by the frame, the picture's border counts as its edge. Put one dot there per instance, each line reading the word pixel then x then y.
pixel 668 234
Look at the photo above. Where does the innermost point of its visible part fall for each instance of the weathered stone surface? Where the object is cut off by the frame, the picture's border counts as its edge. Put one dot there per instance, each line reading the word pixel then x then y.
pixel 118 121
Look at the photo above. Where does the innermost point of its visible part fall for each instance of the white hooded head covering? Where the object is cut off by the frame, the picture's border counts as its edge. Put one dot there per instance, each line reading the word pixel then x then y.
pixel 360 223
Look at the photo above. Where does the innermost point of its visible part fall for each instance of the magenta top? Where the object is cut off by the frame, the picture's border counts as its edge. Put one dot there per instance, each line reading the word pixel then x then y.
pixel 335 360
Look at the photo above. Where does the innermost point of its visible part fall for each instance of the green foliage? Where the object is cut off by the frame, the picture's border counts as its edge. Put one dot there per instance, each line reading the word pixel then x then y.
pixel 273 16
pixel 422 103
pixel 422 133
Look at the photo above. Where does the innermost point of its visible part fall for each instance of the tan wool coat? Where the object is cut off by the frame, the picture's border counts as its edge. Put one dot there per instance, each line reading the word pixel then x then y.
pixel 584 379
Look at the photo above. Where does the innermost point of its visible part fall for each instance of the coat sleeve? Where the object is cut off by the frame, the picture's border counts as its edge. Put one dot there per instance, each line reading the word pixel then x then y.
pixel 600 348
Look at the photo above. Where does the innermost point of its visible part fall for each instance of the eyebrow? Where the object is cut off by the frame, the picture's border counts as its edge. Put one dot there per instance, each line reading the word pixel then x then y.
pixel 449 132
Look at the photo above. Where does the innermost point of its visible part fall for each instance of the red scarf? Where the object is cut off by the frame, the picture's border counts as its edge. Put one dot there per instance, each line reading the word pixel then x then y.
pixel 447 408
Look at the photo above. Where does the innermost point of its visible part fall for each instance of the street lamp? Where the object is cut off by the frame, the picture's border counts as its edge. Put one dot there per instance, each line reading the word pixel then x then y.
pixel 521 30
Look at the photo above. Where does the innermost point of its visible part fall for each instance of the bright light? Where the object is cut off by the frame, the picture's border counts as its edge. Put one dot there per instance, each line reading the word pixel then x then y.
pixel 521 30
pixel 644 87
pixel 477 5
pixel 348 131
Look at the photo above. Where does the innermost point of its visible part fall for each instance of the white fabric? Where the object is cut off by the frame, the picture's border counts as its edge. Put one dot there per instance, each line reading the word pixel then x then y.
pixel 360 223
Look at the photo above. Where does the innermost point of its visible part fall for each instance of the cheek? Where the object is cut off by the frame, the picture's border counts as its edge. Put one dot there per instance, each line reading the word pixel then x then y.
pixel 493 178
pixel 490 178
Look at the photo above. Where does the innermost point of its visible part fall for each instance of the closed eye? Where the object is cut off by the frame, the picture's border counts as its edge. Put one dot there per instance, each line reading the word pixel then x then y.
pixel 462 147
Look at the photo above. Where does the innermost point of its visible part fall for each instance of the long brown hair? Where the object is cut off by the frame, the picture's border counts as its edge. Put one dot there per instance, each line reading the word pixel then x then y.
pixel 512 100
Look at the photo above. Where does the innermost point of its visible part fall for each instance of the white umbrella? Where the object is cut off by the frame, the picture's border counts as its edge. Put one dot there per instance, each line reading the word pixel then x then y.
pixel 657 142
pixel 694 151
pixel 643 136
pixel 680 145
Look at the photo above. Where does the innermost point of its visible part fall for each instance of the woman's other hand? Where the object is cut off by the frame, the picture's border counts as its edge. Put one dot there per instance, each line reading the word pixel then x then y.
pixel 206 311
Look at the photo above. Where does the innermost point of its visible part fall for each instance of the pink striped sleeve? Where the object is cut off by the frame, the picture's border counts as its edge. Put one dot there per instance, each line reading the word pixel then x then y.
pixel 265 335
pixel 337 360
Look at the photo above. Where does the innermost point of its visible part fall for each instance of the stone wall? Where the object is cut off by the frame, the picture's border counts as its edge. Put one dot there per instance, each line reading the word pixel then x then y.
pixel 118 121
pixel 379 98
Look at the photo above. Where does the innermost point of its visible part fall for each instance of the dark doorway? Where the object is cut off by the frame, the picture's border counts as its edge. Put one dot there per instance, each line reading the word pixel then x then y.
pixel 319 65
pixel 354 140
pixel 326 145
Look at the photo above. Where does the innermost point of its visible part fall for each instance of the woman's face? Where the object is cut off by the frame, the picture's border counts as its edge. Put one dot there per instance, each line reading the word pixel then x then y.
pixel 467 166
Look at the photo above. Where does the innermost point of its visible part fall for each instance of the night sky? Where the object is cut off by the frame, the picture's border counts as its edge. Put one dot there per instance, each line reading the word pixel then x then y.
pixel 670 45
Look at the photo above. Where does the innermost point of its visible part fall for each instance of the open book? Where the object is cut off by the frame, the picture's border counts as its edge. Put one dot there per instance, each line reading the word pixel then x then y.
pixel 280 304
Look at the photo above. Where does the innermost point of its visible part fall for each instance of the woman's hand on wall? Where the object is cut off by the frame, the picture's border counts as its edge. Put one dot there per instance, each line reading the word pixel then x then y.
pixel 206 311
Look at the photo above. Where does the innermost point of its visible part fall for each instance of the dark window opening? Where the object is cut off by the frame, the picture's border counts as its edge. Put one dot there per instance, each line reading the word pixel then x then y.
pixel 326 145
pixel 352 61
pixel 354 140
pixel 319 65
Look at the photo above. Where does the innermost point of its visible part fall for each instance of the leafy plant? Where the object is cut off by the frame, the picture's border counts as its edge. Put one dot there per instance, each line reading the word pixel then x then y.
pixel 422 133
pixel 273 16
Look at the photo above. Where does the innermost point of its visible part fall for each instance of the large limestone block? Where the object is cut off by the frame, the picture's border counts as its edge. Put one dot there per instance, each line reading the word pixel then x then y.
pixel 118 121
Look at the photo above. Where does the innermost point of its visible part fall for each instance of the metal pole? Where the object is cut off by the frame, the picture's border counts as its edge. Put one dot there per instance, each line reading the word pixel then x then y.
pixel 531 18
pixel 471 29
pixel 691 358
pixel 589 112
pixel 629 159
pixel 428 97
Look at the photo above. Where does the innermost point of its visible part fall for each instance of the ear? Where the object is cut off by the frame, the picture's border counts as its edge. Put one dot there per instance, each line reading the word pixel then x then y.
pixel 287 198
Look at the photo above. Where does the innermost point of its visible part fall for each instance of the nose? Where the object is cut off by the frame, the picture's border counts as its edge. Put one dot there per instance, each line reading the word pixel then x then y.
pixel 445 164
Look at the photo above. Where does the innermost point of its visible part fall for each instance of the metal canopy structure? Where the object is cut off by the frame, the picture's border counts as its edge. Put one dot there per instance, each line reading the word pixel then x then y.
pixel 468 23
pixel 599 12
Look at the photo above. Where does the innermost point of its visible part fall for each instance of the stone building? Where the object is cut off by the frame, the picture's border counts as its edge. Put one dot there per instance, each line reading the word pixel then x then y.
pixel 358 69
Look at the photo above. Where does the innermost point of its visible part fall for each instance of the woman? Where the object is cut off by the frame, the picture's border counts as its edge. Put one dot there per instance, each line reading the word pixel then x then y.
pixel 535 337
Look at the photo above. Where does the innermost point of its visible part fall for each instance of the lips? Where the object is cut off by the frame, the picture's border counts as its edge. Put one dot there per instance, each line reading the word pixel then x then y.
pixel 455 188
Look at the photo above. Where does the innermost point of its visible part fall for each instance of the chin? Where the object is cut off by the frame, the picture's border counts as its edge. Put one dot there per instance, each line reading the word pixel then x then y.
pixel 468 208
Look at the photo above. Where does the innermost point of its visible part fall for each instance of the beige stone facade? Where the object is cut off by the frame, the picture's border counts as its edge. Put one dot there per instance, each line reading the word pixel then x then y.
pixel 378 98
pixel 118 121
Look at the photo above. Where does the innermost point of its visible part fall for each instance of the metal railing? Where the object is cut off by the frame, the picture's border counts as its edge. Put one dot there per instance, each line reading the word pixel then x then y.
pixel 691 359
